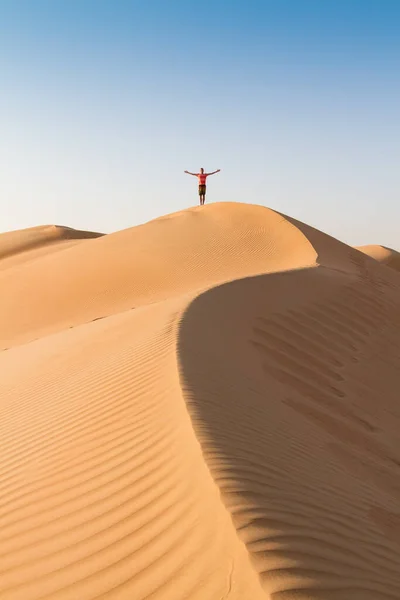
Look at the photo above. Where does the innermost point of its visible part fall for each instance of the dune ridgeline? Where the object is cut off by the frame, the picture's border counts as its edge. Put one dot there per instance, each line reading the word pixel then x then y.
pixel 204 407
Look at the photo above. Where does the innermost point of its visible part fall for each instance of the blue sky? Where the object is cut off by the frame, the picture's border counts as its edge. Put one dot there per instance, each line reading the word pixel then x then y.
pixel 104 104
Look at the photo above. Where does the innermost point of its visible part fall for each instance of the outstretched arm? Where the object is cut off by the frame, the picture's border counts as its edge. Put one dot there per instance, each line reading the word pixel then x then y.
pixel 189 173
pixel 213 173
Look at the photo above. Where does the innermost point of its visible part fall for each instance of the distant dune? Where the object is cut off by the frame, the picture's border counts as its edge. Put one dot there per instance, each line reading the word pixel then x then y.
pixel 384 255
pixel 202 407
pixel 27 244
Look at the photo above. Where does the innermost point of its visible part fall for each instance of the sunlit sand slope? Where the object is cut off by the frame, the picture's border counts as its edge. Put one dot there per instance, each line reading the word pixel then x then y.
pixel 104 492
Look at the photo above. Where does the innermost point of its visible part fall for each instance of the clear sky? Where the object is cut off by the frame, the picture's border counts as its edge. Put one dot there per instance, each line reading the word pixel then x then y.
pixel 104 104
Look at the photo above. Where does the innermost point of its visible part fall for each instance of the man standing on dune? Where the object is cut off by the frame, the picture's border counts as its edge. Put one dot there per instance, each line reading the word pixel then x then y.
pixel 202 183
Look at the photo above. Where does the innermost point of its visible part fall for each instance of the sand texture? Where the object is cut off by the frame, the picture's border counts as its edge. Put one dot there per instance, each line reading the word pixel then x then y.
pixel 203 407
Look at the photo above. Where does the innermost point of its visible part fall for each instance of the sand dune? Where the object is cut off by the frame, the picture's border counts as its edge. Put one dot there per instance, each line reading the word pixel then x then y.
pixel 202 407
pixel 384 255
pixel 25 245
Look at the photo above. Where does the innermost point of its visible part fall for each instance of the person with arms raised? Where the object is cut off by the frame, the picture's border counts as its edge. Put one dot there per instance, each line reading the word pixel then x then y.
pixel 202 183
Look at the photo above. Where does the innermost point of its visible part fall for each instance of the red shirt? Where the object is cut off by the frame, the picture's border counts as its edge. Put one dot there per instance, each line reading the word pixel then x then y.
pixel 202 178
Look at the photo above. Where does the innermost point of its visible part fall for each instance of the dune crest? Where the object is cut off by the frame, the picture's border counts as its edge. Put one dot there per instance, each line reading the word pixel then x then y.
pixel 209 411
pixel 177 254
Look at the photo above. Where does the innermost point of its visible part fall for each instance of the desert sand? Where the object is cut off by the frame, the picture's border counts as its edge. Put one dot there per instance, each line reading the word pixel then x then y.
pixel 203 407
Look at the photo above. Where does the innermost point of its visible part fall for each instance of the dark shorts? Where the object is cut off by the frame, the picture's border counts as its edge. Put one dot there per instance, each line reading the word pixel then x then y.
pixel 202 190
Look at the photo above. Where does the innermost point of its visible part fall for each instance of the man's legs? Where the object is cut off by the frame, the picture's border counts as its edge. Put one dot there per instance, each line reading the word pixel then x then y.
pixel 202 194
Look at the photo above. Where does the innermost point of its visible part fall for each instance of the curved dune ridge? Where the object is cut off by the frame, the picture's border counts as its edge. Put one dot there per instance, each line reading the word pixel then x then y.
pixel 202 407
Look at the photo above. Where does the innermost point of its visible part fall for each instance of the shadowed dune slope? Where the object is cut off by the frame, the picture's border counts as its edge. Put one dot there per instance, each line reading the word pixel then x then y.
pixel 292 381
pixel 384 255
pixel 234 436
